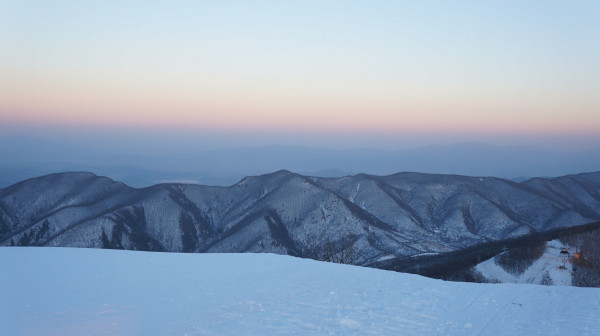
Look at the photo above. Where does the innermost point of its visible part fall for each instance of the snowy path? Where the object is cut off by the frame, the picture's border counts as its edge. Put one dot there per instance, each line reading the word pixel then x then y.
pixel 54 291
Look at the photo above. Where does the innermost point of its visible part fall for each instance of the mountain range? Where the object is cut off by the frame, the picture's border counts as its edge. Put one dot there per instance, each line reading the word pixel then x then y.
pixel 364 218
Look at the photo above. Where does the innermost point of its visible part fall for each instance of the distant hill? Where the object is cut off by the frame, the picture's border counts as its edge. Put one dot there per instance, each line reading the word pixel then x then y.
pixel 24 158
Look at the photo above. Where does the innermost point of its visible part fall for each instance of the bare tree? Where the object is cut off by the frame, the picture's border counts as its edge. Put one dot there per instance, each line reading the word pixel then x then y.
pixel 341 251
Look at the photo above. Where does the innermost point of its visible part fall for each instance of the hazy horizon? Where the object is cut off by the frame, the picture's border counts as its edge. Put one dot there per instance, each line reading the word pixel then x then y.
pixel 146 161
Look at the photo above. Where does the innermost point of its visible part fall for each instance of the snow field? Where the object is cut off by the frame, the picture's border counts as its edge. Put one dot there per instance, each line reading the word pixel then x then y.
pixel 62 291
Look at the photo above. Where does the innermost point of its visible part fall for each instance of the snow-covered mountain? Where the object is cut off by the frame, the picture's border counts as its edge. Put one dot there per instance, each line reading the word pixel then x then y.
pixel 58 291
pixel 362 218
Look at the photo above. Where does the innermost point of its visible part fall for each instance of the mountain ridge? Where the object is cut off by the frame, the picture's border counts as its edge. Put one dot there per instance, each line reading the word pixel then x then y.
pixel 370 216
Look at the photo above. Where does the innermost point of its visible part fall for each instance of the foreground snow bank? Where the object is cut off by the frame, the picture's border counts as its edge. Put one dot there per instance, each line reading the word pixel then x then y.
pixel 60 291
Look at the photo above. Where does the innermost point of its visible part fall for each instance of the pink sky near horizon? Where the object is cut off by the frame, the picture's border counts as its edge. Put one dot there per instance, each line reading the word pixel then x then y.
pixel 506 69
pixel 416 117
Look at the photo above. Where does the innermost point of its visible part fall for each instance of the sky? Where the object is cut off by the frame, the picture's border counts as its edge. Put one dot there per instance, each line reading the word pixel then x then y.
pixel 382 74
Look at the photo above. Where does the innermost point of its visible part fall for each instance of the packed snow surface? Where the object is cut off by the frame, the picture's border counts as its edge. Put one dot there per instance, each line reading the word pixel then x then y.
pixel 62 291
pixel 555 267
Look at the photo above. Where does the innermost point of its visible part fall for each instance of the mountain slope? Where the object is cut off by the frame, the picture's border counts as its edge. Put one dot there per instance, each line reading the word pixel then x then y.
pixel 369 218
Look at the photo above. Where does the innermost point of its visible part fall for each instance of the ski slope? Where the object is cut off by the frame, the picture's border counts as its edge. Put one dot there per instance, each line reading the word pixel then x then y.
pixel 62 291
pixel 557 269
